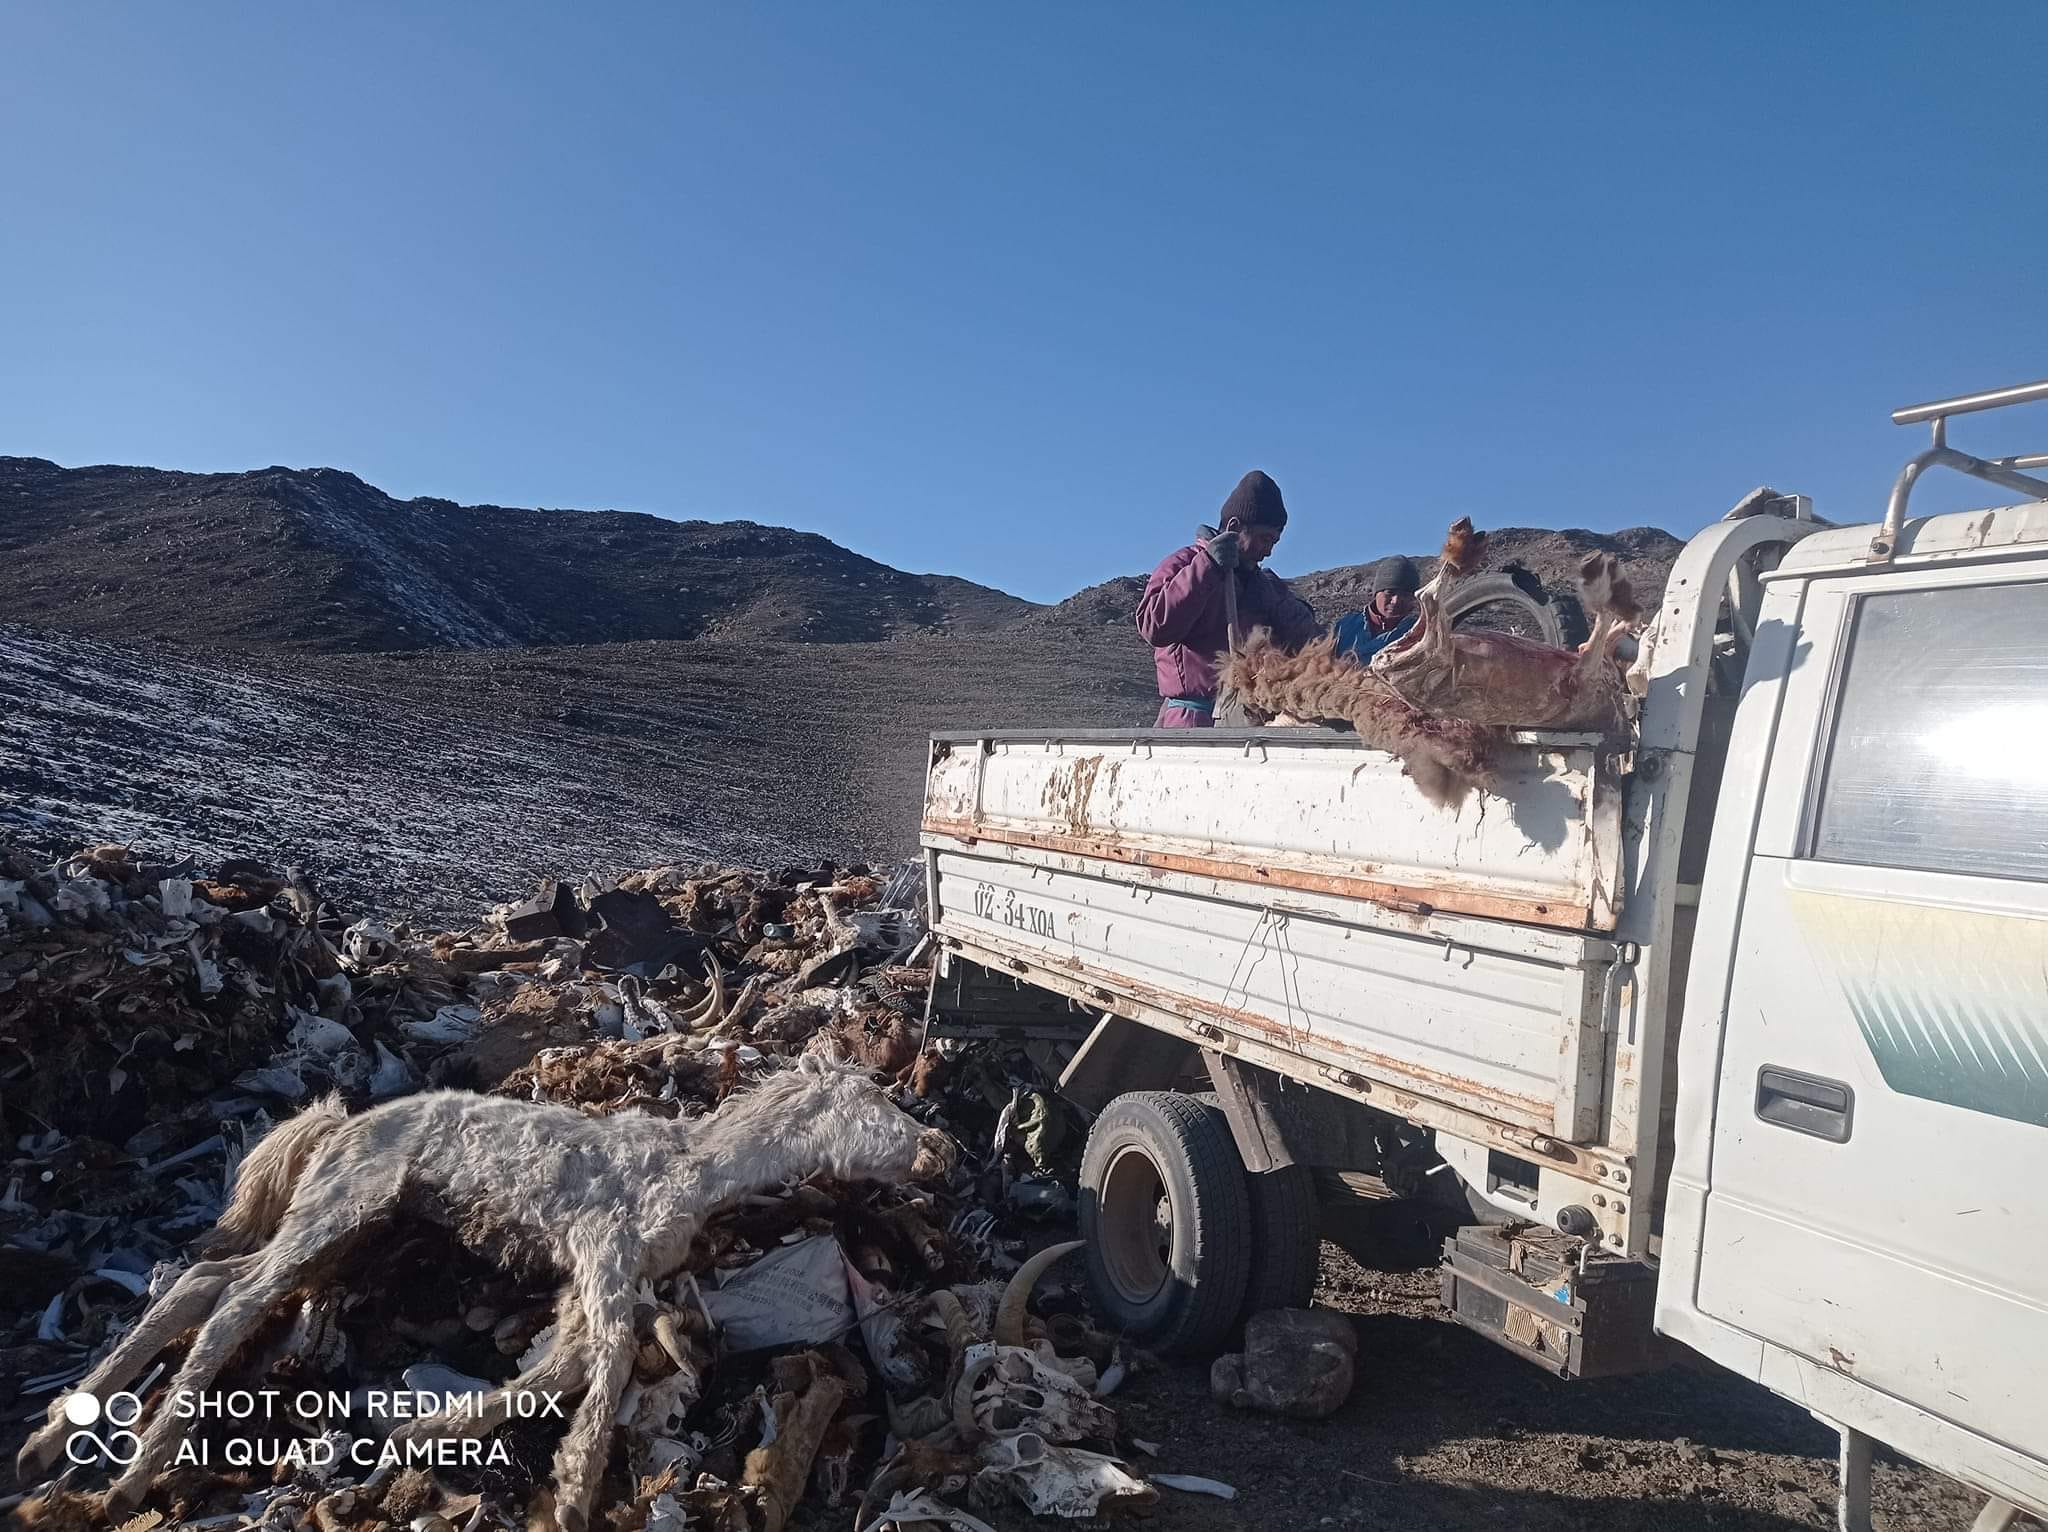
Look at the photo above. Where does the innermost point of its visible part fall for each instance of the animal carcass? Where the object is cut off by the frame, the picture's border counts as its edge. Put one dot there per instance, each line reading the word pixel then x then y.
pixel 1443 700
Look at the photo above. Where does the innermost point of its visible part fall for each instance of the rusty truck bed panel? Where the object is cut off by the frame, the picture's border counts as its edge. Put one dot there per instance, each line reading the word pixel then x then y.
pixel 1303 895
pixel 1325 814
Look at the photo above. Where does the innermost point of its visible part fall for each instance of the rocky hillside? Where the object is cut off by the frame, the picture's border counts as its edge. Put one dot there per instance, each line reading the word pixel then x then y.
pixel 316 559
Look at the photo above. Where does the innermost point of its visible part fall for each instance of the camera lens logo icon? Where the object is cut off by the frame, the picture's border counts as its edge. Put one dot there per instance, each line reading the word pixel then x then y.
pixel 120 1445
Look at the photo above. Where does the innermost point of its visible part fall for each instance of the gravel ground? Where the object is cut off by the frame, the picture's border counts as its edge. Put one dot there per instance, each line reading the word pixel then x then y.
pixel 1447 1431
pixel 439 782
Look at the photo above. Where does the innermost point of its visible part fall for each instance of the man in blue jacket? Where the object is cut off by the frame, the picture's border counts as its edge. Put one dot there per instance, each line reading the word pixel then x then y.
pixel 1388 613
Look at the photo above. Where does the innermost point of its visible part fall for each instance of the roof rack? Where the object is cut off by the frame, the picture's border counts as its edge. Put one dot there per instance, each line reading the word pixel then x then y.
pixel 2003 471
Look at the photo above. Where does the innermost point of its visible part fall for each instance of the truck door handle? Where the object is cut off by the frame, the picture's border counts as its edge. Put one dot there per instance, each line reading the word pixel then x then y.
pixel 1805 1103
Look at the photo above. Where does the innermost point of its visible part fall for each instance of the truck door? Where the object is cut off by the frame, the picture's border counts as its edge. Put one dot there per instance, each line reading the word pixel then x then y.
pixel 1879 1185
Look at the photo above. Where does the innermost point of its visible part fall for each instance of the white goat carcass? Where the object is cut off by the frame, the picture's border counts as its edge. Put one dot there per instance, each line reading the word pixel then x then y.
pixel 606 1202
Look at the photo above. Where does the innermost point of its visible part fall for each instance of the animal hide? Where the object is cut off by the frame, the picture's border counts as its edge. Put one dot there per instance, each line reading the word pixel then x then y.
pixel 1441 700
pixel 1447 757
pixel 1497 678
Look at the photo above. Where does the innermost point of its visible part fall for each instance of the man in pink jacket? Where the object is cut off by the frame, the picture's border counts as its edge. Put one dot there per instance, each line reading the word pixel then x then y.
pixel 1184 614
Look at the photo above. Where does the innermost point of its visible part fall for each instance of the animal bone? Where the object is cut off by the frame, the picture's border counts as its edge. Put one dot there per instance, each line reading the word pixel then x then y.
pixel 1195 1484
pixel 1112 1376
pixel 1070 1333
pixel 1004 1388
pixel 1010 1314
pixel 1062 1481
pixel 931 1468
pixel 959 1332
pixel 917 1420
pixel 873 1262
pixel 1079 1368
pixel 832 1470
pixel 909 1222
pixel 573 1189
pixel 907 1510
pixel 712 1010
pixel 665 1405
pixel 666 1332
pixel 750 994
pixel 979 1300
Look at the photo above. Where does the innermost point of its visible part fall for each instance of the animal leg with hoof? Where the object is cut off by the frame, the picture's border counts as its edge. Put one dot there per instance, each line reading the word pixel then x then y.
pixel 235 1318
pixel 317 1230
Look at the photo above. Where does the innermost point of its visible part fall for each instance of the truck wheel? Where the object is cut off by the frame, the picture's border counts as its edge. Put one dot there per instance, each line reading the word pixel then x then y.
pixel 1168 1221
pixel 1287 1243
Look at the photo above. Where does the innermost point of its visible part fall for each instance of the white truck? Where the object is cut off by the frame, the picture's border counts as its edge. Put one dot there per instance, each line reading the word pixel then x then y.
pixel 1738 1029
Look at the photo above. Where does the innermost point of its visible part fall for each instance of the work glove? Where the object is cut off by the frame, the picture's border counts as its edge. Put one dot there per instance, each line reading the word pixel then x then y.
pixel 1223 547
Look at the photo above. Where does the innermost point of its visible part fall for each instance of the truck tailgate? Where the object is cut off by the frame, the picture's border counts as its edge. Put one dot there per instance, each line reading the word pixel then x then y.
pixel 1297 893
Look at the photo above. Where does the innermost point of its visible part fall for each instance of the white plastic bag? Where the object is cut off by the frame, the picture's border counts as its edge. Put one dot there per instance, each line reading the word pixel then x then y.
pixel 792 1296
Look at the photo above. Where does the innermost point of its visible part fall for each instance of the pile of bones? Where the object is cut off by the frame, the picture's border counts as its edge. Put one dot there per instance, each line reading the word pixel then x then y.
pixel 799 1342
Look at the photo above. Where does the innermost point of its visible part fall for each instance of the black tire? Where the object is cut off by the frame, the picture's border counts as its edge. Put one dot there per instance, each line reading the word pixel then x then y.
pixel 1287 1242
pixel 1179 1289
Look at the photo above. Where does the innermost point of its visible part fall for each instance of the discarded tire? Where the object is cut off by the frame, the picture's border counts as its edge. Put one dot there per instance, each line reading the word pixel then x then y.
pixel 1168 1221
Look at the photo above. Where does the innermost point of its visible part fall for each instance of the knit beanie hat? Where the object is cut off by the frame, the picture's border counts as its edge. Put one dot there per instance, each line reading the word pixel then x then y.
pixel 1256 502
pixel 1395 573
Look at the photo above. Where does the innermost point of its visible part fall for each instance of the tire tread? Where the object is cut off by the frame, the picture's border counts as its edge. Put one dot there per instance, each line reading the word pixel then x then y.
pixel 1289 1251
pixel 1287 1246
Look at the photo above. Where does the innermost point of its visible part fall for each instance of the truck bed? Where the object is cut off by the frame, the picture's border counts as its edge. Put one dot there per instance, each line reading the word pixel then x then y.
pixel 1286 893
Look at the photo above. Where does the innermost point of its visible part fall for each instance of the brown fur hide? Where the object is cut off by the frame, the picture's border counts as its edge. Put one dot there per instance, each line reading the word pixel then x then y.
pixel 1447 757
pixel 1443 701
pixel 1497 678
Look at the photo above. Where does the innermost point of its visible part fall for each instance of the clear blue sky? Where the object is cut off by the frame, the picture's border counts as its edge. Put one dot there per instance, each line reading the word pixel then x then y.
pixel 1018 291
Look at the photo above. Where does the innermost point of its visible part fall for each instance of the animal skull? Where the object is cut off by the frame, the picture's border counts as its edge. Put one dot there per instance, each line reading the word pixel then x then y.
pixel 1004 1389
pixel 366 944
pixel 1059 1481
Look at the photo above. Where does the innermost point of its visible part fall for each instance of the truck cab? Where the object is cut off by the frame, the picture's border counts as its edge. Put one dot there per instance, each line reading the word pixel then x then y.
pixel 1854 1215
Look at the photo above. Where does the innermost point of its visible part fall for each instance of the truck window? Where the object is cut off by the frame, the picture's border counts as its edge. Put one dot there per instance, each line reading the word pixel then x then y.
pixel 1938 759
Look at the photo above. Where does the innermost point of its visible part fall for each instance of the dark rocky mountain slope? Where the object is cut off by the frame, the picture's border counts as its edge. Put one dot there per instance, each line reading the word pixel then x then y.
pixel 316 559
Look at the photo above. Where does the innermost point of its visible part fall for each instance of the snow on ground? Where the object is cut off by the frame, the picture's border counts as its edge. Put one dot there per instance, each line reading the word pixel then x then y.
pixel 443 780
pixel 378 796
